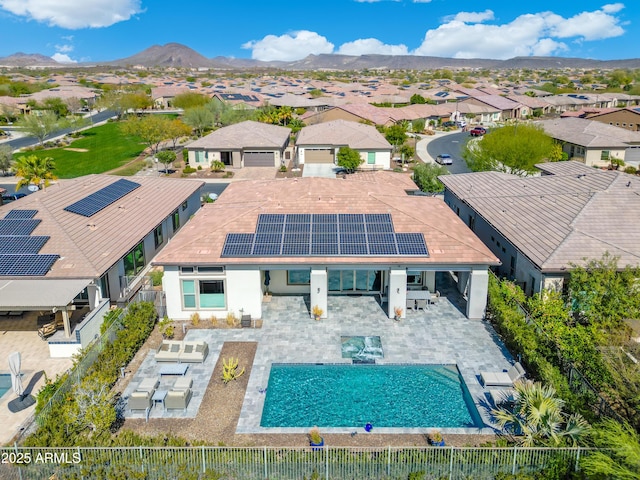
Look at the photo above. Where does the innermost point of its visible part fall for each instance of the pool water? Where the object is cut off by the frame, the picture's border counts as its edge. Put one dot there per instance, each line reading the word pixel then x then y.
pixel 409 396
pixel 5 383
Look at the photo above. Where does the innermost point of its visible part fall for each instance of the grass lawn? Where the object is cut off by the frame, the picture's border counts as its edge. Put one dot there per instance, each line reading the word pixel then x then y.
pixel 99 149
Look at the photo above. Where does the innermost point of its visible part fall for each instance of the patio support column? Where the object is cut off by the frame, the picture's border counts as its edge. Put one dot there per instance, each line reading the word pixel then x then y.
pixel 319 290
pixel 65 321
pixel 430 280
pixel 397 291
pixel 92 291
pixel 477 294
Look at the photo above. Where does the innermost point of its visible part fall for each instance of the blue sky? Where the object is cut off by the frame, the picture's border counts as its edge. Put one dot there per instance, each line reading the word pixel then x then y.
pixel 95 30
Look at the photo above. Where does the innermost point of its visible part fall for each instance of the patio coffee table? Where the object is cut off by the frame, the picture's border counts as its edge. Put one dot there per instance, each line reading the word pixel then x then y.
pixel 159 396
pixel 174 369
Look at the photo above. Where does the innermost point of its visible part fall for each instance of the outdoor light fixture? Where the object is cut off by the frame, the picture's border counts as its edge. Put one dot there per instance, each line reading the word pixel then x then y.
pixel 318 289
pixel 398 290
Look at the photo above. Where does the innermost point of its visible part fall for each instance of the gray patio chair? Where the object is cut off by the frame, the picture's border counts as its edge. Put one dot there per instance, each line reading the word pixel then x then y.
pixel 411 304
pixel 182 383
pixel 178 399
pixel 139 400
pixel 421 304
pixel 148 384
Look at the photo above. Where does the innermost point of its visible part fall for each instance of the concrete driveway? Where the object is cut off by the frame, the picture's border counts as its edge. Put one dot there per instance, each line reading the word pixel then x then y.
pixel 325 170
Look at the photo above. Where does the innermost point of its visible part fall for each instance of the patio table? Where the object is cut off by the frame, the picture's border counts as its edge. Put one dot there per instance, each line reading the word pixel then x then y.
pixel 159 396
pixel 174 369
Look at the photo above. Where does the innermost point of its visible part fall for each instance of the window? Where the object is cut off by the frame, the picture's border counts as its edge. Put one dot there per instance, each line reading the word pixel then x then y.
pixel 203 294
pixel 414 278
pixel 157 236
pixel 371 158
pixel 175 220
pixel 199 157
pixel 210 269
pixel 472 222
pixel 185 205
pixel 605 155
pixel 187 270
pixel 298 277
pixel 134 261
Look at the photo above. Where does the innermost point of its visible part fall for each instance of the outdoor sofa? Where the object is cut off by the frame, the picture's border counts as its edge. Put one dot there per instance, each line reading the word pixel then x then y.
pixel 503 379
pixel 178 399
pixel 182 351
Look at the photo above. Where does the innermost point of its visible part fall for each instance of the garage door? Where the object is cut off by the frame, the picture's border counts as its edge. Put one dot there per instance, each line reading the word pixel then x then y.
pixel 259 159
pixel 632 156
pixel 318 156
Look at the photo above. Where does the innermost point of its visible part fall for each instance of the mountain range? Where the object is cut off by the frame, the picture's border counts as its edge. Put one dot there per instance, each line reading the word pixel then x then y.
pixel 180 56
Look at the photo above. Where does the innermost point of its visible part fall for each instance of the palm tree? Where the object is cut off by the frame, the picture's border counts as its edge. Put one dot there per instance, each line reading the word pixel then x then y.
pixel 537 419
pixel 34 170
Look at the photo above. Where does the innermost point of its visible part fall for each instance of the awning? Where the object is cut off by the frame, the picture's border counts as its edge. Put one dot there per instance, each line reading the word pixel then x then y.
pixel 39 293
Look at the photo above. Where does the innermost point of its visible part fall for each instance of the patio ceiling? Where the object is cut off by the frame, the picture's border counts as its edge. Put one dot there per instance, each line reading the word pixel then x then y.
pixel 28 294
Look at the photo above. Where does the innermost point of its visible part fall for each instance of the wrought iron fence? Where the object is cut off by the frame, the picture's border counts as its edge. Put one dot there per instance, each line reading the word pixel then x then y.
pixel 281 463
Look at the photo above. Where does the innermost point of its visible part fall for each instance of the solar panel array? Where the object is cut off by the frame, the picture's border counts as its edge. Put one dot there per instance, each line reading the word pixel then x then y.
pixel 344 234
pixel 92 204
pixel 19 249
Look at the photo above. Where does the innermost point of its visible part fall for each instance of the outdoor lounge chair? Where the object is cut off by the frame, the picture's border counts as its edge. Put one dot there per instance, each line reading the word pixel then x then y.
pixel 182 383
pixel 503 379
pixel 421 304
pixel 148 384
pixel 176 399
pixel 139 400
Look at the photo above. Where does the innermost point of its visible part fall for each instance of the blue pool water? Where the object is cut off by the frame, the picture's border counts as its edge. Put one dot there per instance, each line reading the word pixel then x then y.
pixel 5 383
pixel 410 396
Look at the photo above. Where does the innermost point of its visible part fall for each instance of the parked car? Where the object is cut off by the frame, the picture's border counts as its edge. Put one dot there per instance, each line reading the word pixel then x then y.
pixel 448 124
pixel 477 131
pixel 444 159
pixel 461 123
pixel 12 197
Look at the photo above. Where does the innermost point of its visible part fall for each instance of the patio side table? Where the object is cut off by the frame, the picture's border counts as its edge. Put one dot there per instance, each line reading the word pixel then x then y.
pixel 159 396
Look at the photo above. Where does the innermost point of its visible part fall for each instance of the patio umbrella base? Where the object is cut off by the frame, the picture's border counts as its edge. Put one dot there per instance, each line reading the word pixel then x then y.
pixel 20 403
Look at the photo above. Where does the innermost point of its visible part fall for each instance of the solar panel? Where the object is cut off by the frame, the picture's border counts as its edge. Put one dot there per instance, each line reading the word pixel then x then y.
pixel 383 249
pixel 351 227
pixel 297 228
pixel 242 238
pixel 353 249
pixel 324 218
pixel 325 227
pixel 299 218
pixel 22 244
pixel 18 226
pixel 14 214
pixel 381 238
pixel 295 249
pixel 92 204
pixel 324 238
pixel 266 249
pixel 350 218
pixel 380 227
pixel 270 228
pixel 411 244
pixel 26 265
pixel 296 238
pixel 353 238
pixel 271 218
pixel 237 249
pixel 324 249
pixel 262 238
pixel 377 218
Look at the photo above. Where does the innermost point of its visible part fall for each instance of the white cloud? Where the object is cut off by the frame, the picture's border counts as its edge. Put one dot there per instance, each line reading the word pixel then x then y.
pixel 465 36
pixel 64 48
pixel 421 1
pixel 74 14
pixel 289 47
pixel 62 58
pixel 366 46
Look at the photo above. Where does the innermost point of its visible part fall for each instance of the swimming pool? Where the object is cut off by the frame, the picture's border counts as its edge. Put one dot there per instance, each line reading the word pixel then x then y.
pixel 344 395
pixel 5 383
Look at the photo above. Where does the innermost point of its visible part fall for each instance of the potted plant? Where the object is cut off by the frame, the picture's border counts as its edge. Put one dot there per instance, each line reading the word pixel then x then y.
pixel 317 312
pixel 436 439
pixel 397 313
pixel 315 439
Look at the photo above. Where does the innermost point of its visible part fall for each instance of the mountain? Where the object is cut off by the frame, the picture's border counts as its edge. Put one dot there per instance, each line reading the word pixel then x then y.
pixel 28 60
pixel 180 56
pixel 169 55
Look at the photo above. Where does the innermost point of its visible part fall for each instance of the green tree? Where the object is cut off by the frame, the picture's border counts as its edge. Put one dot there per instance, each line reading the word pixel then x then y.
pixel 617 455
pixel 151 129
pixel 200 119
pixel 396 135
pixel 34 170
pixel 512 149
pixel 349 159
pixel 39 126
pixel 56 105
pixel 425 176
pixel 316 93
pixel 296 125
pixel 177 129
pixel 418 125
pixel 537 418
pixel 603 294
pixel 6 158
pixel 166 157
pixel 417 99
pixel 189 100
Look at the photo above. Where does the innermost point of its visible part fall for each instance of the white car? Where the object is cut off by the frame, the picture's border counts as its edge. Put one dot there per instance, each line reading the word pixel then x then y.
pixel 461 123
pixel 444 159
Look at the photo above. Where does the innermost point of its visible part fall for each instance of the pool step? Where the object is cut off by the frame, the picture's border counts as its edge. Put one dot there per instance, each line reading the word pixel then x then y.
pixel 365 361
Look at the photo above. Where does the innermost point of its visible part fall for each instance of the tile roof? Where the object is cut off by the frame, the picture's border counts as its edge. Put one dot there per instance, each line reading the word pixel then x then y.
pixel 88 247
pixel 589 133
pixel 560 218
pixel 248 134
pixel 342 132
pixel 449 240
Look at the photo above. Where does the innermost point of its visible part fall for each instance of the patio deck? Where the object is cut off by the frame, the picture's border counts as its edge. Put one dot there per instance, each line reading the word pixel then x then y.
pixel 440 335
